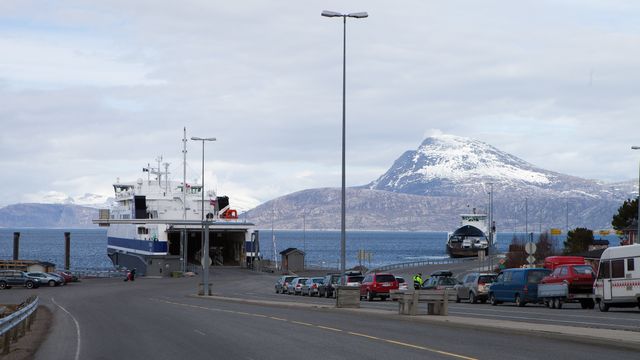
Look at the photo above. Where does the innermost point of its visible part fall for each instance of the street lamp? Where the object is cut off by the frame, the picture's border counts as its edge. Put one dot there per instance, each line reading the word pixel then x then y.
pixel 205 228
pixel 638 219
pixel 358 15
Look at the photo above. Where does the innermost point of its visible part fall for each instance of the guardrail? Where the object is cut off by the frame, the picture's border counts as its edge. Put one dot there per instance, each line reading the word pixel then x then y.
pixel 419 263
pixel 18 323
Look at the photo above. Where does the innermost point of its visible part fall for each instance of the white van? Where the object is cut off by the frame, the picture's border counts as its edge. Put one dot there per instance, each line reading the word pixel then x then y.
pixel 618 282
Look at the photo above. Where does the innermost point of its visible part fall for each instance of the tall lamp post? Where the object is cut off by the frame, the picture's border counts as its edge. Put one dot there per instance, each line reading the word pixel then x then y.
pixel 638 220
pixel 358 15
pixel 205 227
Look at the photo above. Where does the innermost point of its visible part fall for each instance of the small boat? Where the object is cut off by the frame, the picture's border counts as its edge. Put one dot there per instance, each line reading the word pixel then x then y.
pixel 470 238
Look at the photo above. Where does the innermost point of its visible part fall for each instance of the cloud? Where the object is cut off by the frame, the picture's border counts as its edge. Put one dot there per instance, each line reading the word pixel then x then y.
pixel 94 91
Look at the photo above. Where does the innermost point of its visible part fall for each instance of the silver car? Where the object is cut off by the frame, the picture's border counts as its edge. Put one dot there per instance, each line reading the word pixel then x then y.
pixel 295 286
pixel 46 278
pixel 475 287
pixel 310 287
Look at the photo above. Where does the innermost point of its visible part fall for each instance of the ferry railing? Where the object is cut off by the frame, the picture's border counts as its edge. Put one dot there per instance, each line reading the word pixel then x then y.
pixel 18 323
pixel 411 264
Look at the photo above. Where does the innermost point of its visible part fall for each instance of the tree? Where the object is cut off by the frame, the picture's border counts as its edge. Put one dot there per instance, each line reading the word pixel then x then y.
pixel 578 240
pixel 516 257
pixel 626 215
pixel 544 247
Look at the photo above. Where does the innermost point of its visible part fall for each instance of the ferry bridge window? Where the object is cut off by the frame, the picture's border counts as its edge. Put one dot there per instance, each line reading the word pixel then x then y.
pixel 617 268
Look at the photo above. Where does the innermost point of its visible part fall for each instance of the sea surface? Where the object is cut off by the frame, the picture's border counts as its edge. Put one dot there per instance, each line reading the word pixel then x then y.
pixel 89 246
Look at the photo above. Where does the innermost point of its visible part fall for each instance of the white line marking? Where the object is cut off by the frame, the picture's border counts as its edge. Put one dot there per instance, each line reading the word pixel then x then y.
pixel 199 332
pixel 77 357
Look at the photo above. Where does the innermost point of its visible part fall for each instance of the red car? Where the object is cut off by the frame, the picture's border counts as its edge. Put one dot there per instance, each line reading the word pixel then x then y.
pixel 579 277
pixel 377 285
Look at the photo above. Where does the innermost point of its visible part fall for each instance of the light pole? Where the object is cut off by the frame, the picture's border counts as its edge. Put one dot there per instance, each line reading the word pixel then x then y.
pixel 205 228
pixel 358 15
pixel 638 219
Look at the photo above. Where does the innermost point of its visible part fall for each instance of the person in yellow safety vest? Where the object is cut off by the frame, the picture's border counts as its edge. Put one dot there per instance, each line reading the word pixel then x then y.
pixel 417 281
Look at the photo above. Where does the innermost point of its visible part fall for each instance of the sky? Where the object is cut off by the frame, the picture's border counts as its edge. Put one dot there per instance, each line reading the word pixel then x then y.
pixel 91 92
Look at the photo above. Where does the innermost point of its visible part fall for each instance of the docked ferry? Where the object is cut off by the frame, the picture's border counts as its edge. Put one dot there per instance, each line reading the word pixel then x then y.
pixel 155 226
pixel 470 238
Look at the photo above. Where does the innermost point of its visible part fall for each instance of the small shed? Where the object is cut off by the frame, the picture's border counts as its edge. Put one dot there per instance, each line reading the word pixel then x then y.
pixel 292 259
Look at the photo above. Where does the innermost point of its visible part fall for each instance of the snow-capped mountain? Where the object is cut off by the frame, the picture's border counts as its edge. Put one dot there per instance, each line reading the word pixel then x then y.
pixel 445 176
pixel 455 166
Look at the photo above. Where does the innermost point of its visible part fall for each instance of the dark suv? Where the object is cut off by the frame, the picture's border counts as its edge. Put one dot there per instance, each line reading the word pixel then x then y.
pixel 9 278
pixel 328 286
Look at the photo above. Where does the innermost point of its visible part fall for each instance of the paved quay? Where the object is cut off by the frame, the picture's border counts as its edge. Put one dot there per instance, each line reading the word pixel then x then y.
pixel 245 319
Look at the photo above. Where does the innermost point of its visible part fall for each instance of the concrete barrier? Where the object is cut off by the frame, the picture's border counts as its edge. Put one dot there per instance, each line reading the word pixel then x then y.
pixel 348 297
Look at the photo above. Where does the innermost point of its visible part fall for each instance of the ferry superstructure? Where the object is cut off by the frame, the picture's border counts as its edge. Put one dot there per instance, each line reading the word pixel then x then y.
pixel 155 226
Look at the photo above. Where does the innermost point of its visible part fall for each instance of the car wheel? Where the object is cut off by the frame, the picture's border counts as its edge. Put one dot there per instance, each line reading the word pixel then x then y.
pixel 369 296
pixel 518 301
pixel 492 300
pixel 584 304
pixel 3 285
pixel 602 306
pixel 557 304
pixel 472 298
pixel 52 283
pixel 29 284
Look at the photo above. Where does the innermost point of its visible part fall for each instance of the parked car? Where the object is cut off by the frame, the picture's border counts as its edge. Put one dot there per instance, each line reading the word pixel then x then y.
pixel 310 287
pixel 62 279
pixel 353 280
pixel 329 284
pixel 282 283
pixel 402 283
pixel 45 278
pixel 517 285
pixel 440 283
pixel 475 287
pixel 295 286
pixel 9 278
pixel 377 285
pixel 68 277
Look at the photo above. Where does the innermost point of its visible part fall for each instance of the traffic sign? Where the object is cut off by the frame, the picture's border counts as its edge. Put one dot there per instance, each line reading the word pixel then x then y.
pixel 502 261
pixel 531 259
pixel 556 232
pixel 530 248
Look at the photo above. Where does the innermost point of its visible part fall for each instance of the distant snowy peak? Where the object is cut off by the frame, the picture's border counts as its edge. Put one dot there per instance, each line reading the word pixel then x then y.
pixel 458 158
pixel 442 163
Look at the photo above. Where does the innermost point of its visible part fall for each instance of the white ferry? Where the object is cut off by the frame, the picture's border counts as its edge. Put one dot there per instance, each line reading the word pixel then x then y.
pixel 155 226
pixel 470 238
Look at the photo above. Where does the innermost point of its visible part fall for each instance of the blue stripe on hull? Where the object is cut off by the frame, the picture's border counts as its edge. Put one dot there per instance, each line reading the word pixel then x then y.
pixel 140 245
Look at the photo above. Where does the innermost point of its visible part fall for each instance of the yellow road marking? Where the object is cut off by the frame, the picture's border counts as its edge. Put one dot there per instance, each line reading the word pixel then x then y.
pixel 328 328
pixel 364 335
pixel 418 347
pixel 302 323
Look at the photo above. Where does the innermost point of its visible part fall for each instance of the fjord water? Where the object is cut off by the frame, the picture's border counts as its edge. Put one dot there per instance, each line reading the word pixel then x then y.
pixel 89 246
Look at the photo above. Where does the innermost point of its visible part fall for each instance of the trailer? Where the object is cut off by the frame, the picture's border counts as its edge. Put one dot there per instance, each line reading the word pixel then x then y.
pixel 554 295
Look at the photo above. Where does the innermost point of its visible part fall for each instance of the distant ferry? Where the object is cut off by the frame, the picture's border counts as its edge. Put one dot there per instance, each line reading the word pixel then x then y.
pixel 470 237
pixel 147 234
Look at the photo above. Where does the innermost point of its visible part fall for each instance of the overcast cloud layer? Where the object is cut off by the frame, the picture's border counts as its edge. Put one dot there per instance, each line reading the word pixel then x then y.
pixel 93 91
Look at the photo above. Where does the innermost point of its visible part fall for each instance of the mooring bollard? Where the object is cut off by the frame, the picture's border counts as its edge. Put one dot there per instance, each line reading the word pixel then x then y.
pixel 67 250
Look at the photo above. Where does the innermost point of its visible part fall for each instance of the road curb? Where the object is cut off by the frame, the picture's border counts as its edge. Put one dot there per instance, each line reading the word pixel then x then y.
pixel 606 337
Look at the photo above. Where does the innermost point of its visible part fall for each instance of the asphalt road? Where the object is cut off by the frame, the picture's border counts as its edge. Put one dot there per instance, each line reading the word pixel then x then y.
pixel 158 319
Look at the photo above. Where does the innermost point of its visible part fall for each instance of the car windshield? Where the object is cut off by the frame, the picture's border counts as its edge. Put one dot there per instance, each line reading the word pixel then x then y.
pixel 318 280
pixel 535 276
pixel 385 278
pixel 486 279
pixel 583 269
pixel 400 280
pixel 355 278
pixel 335 279
pixel 447 281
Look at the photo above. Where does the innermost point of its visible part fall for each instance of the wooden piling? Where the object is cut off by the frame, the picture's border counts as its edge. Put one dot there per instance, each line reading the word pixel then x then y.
pixel 67 250
pixel 16 245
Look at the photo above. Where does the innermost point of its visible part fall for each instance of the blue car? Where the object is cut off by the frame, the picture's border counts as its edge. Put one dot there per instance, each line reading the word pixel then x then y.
pixel 519 286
